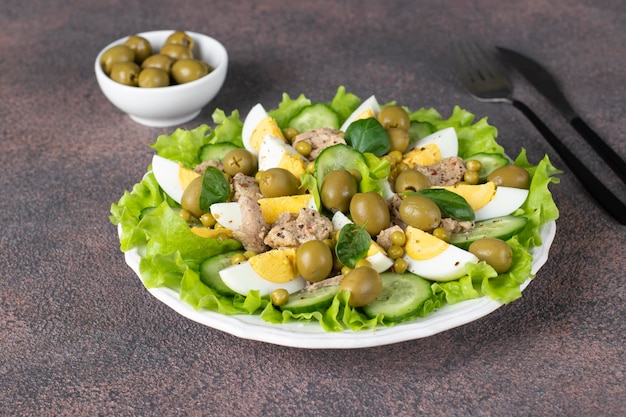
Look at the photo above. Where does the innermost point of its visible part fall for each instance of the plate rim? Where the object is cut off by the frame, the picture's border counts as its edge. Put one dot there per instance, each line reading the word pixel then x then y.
pixel 310 335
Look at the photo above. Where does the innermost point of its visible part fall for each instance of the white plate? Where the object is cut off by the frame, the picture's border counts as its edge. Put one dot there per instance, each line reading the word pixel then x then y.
pixel 311 335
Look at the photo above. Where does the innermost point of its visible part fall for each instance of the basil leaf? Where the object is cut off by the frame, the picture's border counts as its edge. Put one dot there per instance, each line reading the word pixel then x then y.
pixel 352 244
pixel 215 188
pixel 368 135
pixel 450 204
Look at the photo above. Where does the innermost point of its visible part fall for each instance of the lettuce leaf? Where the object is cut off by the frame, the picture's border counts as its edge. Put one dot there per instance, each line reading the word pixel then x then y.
pixel 227 128
pixel 288 108
pixel 183 145
pixel 344 103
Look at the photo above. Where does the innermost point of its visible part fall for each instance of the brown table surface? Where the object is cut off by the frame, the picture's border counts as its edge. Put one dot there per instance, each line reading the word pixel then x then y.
pixel 79 334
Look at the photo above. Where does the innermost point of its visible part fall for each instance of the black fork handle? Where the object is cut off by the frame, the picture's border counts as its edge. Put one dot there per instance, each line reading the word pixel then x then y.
pixel 594 186
pixel 609 156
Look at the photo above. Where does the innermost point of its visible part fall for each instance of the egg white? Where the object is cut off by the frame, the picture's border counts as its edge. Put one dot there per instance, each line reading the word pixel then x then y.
pixel 446 140
pixel 505 201
pixel 227 214
pixel 256 114
pixel 242 278
pixel 272 152
pixel 369 104
pixel 446 266
pixel 379 261
pixel 166 173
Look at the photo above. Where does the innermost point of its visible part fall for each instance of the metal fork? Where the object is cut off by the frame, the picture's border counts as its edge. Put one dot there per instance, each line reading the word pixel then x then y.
pixel 483 78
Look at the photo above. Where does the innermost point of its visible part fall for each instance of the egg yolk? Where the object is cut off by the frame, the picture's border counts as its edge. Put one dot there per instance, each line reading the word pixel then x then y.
pixel 477 196
pixel 276 265
pixel 366 114
pixel 426 155
pixel 185 176
pixel 267 126
pixel 293 163
pixel 272 207
pixel 421 245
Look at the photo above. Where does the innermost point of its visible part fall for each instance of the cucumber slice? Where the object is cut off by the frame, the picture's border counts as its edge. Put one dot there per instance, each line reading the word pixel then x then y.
pixel 402 296
pixel 216 151
pixel 315 116
pixel 308 301
pixel 503 228
pixel 490 162
pixel 210 268
pixel 339 156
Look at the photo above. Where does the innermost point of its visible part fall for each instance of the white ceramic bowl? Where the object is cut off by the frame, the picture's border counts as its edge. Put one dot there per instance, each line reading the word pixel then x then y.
pixel 172 105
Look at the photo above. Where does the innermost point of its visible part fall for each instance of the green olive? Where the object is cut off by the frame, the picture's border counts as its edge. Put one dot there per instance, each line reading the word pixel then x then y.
pixel 187 70
pixel 338 189
pixel 191 197
pixel 410 180
pixel 240 161
pixel 176 51
pixel 114 55
pixel 398 139
pixel 394 116
pixel 277 182
pixel 141 46
pixel 153 78
pixel 420 211
pixel 510 176
pixel 364 285
pixel 126 73
pixel 314 260
pixel 159 61
pixel 495 252
pixel 180 38
pixel 370 211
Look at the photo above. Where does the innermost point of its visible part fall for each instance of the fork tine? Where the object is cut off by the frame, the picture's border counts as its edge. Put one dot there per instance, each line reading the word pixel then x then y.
pixel 479 71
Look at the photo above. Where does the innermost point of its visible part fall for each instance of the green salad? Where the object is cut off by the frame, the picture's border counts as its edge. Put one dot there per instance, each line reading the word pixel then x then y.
pixel 175 256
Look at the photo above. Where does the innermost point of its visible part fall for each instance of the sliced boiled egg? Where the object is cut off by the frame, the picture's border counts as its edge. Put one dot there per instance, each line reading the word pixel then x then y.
pixel 242 278
pixel 227 214
pixel 257 124
pixel 275 153
pixel 376 255
pixel 489 201
pixel 434 259
pixel 433 148
pixel 505 201
pixel 368 108
pixel 172 177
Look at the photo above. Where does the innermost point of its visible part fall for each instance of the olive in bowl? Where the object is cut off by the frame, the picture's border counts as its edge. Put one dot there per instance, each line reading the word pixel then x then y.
pixel 175 103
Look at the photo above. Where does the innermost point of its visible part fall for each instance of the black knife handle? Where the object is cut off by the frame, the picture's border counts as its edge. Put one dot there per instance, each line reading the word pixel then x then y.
pixel 594 186
pixel 613 160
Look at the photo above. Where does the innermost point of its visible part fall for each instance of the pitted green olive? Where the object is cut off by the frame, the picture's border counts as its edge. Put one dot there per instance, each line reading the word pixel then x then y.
pixel 187 70
pixel 338 189
pixel 370 211
pixel 510 176
pixel 153 78
pixel 180 38
pixel 159 61
pixel 240 161
pixel 495 252
pixel 116 54
pixel 314 260
pixel 398 139
pixel 277 182
pixel 141 46
pixel 176 51
pixel 126 73
pixel 191 197
pixel 364 285
pixel 394 116
pixel 410 180
pixel 420 211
